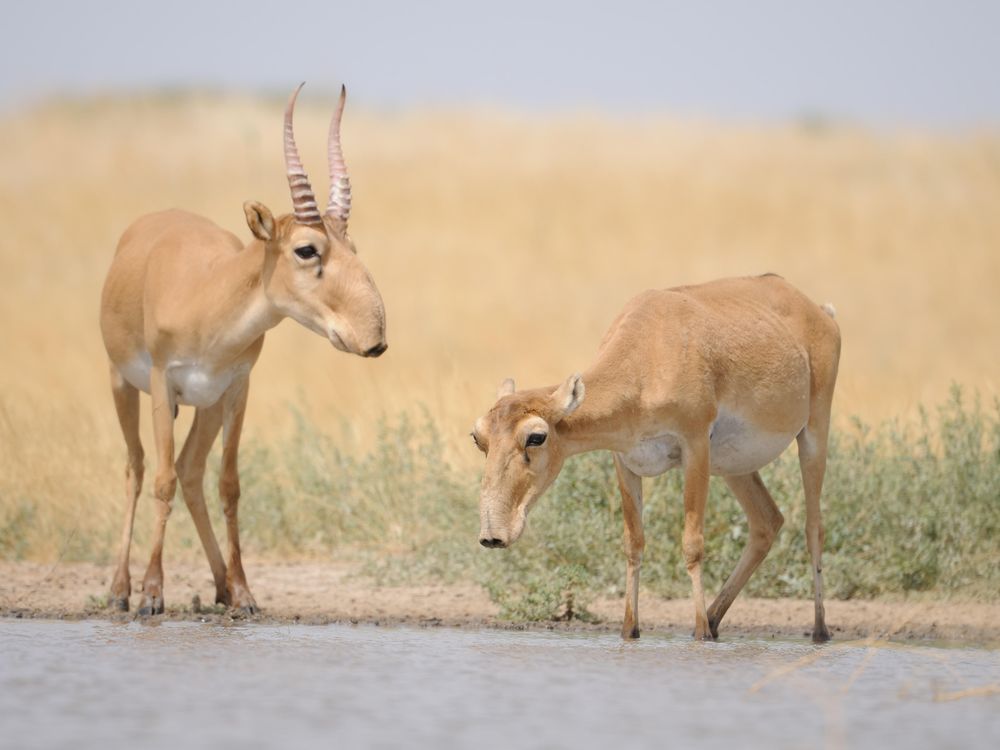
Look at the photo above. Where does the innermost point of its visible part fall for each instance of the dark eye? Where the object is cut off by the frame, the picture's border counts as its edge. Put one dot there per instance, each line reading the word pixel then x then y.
pixel 475 440
pixel 306 252
pixel 536 438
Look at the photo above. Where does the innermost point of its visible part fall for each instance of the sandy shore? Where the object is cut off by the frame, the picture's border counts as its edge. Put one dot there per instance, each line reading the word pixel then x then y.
pixel 316 593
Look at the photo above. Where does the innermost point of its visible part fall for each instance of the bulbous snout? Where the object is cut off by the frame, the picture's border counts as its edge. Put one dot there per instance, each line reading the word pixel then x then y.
pixel 358 310
pixel 495 532
pixel 372 337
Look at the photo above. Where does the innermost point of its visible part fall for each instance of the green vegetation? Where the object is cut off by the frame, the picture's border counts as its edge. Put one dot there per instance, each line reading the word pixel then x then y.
pixel 906 507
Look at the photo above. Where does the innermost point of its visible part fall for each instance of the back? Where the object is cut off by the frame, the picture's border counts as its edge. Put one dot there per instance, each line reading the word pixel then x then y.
pixel 748 339
pixel 726 316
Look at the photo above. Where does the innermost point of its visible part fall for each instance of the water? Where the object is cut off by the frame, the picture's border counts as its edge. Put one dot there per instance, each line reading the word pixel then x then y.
pixel 188 685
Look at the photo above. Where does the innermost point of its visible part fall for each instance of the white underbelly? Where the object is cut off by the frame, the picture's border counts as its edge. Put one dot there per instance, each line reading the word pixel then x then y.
pixel 653 456
pixel 737 447
pixel 740 447
pixel 136 371
pixel 194 385
pixel 190 383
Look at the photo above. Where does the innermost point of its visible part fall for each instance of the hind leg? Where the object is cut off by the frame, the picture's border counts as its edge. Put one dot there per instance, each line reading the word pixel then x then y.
pixel 696 474
pixel 813 442
pixel 191 473
pixel 764 520
pixel 812 461
pixel 126 399
pixel 164 409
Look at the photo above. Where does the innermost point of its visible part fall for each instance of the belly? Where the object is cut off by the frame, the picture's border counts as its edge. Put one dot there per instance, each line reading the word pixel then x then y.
pixel 653 456
pixel 740 447
pixel 195 385
pixel 191 383
pixel 736 447
pixel 136 371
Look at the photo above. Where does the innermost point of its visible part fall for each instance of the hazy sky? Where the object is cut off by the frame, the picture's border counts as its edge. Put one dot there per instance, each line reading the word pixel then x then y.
pixel 922 62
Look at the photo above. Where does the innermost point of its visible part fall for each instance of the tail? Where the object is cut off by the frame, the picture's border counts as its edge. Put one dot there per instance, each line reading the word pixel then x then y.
pixel 829 309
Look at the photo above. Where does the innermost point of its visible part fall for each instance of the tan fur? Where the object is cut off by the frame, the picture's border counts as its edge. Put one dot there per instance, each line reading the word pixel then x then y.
pixel 183 313
pixel 716 378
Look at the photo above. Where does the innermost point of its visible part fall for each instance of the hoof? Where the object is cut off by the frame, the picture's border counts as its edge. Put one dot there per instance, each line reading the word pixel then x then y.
pixel 713 628
pixel 630 634
pixel 244 610
pixel 118 603
pixel 151 605
pixel 240 602
pixel 820 635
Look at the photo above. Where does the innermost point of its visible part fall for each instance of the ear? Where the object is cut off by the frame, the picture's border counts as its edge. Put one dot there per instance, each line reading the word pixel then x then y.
pixel 506 388
pixel 260 220
pixel 568 397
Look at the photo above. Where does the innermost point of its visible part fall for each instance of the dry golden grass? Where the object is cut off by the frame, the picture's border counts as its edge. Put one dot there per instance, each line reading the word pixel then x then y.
pixel 502 246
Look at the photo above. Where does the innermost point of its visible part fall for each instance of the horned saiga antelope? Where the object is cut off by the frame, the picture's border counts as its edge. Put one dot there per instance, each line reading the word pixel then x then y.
pixel 183 314
pixel 716 379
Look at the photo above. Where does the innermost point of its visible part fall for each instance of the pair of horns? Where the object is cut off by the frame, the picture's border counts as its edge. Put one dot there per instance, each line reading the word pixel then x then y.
pixel 303 200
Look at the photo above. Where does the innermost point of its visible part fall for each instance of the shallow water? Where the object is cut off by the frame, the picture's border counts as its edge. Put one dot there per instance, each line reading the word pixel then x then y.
pixel 196 685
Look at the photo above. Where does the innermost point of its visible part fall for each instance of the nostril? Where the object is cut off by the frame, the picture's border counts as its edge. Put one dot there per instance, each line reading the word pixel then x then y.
pixel 492 543
pixel 377 350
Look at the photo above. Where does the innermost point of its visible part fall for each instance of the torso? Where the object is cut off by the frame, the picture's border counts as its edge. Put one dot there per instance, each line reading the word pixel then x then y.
pixel 179 246
pixel 747 367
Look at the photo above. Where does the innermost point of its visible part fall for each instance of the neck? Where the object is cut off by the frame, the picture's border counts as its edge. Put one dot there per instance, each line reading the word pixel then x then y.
pixel 606 418
pixel 242 313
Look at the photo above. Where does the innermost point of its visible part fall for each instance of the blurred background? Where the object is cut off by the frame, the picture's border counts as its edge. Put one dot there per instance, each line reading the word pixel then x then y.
pixel 519 172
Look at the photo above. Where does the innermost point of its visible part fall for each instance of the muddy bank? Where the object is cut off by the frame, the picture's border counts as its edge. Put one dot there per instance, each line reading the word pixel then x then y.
pixel 311 592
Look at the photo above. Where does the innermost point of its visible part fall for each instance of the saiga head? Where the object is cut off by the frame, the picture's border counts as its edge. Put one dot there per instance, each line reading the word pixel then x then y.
pixel 312 272
pixel 524 451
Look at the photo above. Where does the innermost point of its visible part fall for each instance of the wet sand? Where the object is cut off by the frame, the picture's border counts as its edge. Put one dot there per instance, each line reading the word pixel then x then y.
pixel 325 592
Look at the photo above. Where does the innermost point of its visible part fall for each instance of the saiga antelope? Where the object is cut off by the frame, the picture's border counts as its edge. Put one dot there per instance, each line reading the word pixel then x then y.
pixel 717 379
pixel 183 313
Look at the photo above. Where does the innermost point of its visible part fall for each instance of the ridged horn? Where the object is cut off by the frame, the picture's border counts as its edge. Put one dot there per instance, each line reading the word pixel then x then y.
pixel 303 199
pixel 339 205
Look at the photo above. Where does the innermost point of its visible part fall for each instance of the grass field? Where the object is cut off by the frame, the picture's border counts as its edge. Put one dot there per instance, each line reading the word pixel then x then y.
pixel 503 245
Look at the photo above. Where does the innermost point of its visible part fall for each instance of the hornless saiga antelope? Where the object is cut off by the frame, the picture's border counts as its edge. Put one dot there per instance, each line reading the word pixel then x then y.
pixel 183 314
pixel 717 379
